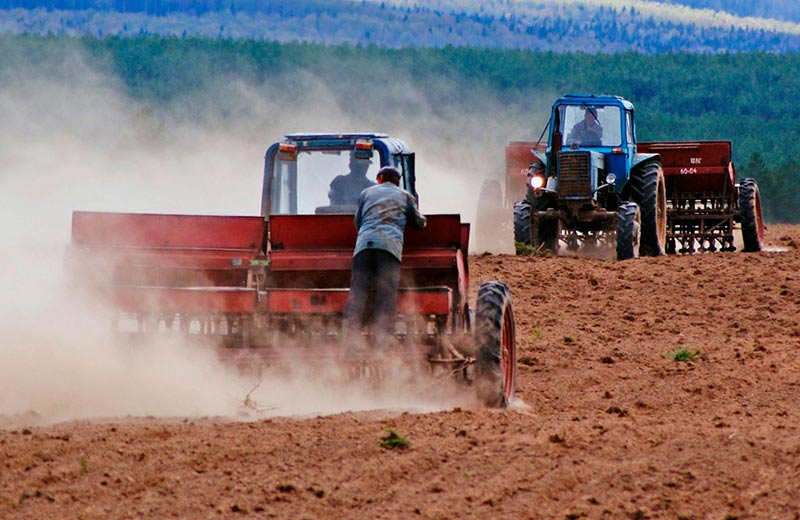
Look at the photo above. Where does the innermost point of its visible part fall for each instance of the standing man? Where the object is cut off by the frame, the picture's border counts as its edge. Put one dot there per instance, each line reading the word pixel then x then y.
pixel 382 214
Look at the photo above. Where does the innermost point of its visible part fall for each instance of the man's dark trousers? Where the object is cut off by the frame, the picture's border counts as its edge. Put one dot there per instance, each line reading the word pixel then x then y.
pixel 373 268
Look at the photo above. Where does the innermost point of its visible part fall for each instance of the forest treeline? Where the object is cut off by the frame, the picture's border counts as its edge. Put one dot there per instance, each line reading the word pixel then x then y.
pixel 594 28
pixel 748 98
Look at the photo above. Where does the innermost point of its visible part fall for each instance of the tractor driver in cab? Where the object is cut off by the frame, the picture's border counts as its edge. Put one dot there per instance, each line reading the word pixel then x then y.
pixel 587 132
pixel 345 189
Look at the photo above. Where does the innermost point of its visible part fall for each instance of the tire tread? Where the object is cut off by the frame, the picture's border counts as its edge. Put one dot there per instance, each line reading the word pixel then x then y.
pixel 494 301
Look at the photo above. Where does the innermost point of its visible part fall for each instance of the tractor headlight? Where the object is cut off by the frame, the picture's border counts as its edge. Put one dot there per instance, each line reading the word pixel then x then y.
pixel 536 182
pixel 611 178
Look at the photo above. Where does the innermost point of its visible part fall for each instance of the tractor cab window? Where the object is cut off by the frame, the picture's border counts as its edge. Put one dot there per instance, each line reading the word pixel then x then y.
pixel 629 127
pixel 320 181
pixel 284 187
pixel 405 162
pixel 586 126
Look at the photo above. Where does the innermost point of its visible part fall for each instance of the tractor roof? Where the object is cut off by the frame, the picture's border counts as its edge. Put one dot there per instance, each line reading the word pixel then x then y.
pixel 594 99
pixel 328 136
pixel 334 141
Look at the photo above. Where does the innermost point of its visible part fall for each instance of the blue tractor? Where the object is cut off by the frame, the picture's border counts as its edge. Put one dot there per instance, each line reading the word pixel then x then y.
pixel 590 190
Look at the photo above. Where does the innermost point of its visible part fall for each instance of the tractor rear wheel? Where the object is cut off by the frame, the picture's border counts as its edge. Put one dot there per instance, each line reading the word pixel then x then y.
pixel 522 222
pixel 752 221
pixel 628 228
pixel 649 191
pixel 495 342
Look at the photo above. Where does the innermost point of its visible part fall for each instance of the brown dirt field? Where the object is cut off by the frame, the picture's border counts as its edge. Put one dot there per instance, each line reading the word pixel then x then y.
pixel 610 427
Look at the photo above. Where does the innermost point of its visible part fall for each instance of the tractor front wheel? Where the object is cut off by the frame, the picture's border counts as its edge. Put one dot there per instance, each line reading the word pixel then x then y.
pixel 545 234
pixel 522 222
pixel 752 221
pixel 496 348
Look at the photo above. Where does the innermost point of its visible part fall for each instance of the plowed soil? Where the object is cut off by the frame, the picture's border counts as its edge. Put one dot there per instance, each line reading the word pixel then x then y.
pixel 608 424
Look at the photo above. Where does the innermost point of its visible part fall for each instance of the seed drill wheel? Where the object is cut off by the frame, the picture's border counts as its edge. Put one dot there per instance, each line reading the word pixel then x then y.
pixel 627 230
pixel 752 221
pixel 648 190
pixel 496 348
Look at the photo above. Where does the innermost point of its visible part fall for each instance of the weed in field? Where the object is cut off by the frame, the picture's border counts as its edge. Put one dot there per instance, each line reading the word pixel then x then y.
pixel 570 339
pixel 528 250
pixel 683 355
pixel 394 440
pixel 523 249
pixel 536 333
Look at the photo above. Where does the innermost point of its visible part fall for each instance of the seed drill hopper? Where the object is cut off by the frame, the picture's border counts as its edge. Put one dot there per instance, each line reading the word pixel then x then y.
pixel 274 286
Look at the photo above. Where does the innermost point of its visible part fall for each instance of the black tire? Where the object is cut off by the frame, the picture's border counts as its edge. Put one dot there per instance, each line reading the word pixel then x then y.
pixel 545 235
pixel 495 346
pixel 671 246
pixel 649 191
pixel 627 230
pixel 750 214
pixel 522 222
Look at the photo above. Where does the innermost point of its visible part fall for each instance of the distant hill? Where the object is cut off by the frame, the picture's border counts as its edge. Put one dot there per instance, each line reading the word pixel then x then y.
pixel 787 10
pixel 593 26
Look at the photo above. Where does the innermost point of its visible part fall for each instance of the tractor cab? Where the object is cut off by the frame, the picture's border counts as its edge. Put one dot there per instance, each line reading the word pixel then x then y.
pixel 313 174
pixel 589 126
pixel 592 123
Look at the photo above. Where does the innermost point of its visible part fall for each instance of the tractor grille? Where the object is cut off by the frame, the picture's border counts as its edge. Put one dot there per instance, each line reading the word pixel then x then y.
pixel 574 176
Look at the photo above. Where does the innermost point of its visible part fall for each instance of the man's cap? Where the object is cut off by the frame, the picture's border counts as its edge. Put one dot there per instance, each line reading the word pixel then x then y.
pixel 389 171
pixel 592 110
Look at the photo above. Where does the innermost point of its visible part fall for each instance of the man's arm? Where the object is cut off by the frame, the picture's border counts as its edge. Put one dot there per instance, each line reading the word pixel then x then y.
pixel 333 191
pixel 416 218
pixel 595 131
pixel 572 135
pixel 359 212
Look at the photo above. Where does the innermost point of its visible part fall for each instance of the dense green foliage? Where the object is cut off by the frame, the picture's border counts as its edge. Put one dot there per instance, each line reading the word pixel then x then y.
pixel 749 99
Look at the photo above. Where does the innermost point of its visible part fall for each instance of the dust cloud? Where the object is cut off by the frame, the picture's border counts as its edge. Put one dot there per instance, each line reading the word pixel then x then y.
pixel 72 140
